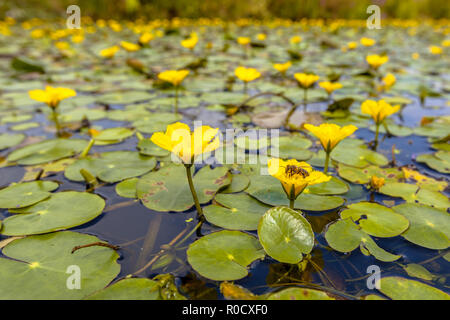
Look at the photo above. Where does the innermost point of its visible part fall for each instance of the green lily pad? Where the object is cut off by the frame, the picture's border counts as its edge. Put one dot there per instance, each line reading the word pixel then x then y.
pixel 238 211
pixel 357 155
pixel 111 166
pixel 164 190
pixel 375 219
pixel 418 271
pixel 411 193
pixel 364 175
pixel 8 140
pixel 334 186
pixel 61 211
pixel 47 151
pixel 398 288
pixel 127 188
pixel 79 114
pixel 439 161
pixel 40 263
pixel 148 148
pixel 345 236
pixel 299 294
pixel 129 289
pixel 429 227
pixel 224 255
pixel 285 234
pixel 239 182
pixel 26 193
pixel 112 135
pixel 156 122
pixel 127 97
pixel 268 190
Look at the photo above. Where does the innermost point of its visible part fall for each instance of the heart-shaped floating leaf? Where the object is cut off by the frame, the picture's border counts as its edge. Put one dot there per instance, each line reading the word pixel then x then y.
pixel 155 122
pixel 148 148
pixel 292 148
pixel 43 265
pixel 127 97
pixel 285 234
pixel 375 219
pixel 439 161
pixel 26 193
pixel 239 182
pixel 167 189
pixel 224 255
pixel 398 288
pixel 418 271
pixel 46 151
pixel 299 294
pixel 62 210
pixel 112 135
pixel 111 166
pixel 127 188
pixel 238 211
pixel 429 227
pixel 356 154
pixel 363 175
pixel 8 140
pixel 268 190
pixel 334 186
pixel 345 236
pixel 129 289
pixel 79 114
pixel 411 193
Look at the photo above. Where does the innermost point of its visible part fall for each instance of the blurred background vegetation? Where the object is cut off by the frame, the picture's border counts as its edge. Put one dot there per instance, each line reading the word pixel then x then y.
pixel 226 9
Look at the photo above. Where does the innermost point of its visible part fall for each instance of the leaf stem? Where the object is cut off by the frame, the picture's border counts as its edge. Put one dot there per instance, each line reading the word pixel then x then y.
pixel 194 193
pixel 327 160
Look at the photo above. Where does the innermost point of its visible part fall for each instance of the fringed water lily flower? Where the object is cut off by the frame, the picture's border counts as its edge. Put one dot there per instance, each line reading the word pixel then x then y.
pixel 375 61
pixel 175 77
pixel 376 183
pixel 243 41
pixel 190 42
pixel 52 97
pixel 388 81
pixel 378 110
pixel 352 45
pixel 145 38
pixel 282 67
pixel 305 81
pixel 110 52
pixel 246 75
pixel 435 50
pixel 187 145
pixel 261 36
pixel 330 135
pixel 295 40
pixel 367 42
pixel 131 47
pixel 295 176
pixel 330 87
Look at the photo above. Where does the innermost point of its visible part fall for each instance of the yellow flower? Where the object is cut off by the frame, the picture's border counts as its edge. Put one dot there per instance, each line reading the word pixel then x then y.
pixel 247 74
pixel 190 42
pixel 243 41
pixel 175 77
pixel 445 43
pixel 435 50
pixel 306 80
pixel 375 61
pixel 330 86
pixel 109 52
pixel 376 183
pixel 367 42
pixel 261 36
pixel 185 144
pixel 51 96
pixel 37 33
pixel 378 110
pixel 146 38
pixel 389 80
pixel 294 183
pixel 330 134
pixel 129 46
pixel 77 38
pixel 415 56
pixel 62 45
pixel 295 39
pixel 352 45
pixel 282 67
